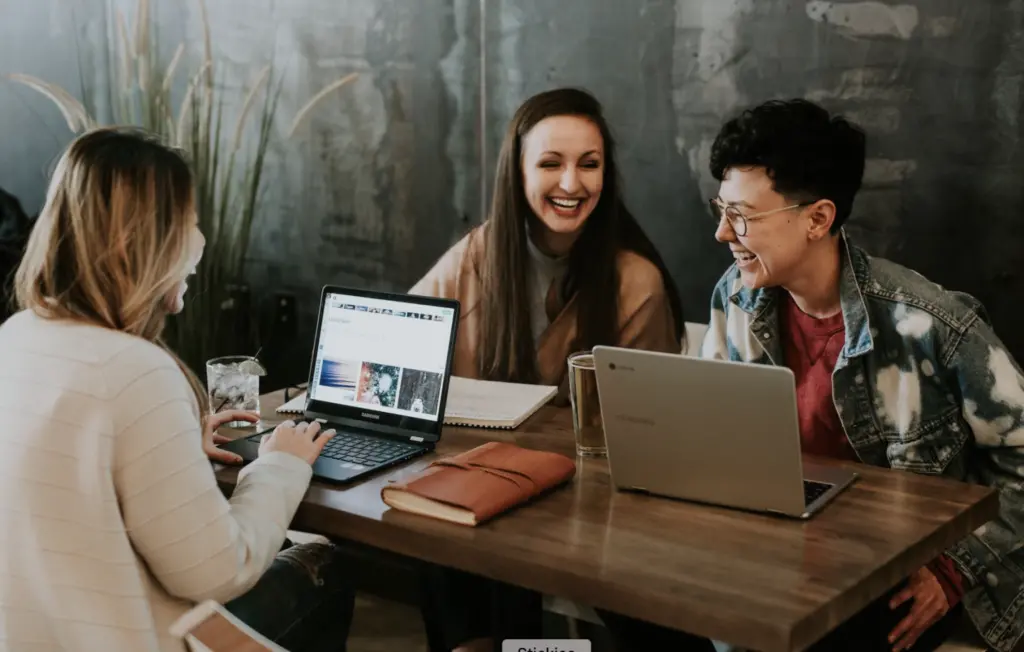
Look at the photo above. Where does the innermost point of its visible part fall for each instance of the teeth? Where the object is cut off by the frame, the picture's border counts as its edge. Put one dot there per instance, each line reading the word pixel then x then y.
pixel 565 203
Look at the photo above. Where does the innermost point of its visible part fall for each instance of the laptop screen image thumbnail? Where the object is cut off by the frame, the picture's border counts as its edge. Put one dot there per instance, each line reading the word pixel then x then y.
pixel 382 355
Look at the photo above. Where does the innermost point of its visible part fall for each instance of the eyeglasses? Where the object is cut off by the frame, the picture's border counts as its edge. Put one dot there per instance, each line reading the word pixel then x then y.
pixel 737 220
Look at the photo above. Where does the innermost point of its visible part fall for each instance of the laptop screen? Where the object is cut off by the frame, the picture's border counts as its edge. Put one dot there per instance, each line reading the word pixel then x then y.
pixel 386 358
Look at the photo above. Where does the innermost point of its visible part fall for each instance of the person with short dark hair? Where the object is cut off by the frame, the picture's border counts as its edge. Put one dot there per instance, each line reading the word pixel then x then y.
pixel 891 369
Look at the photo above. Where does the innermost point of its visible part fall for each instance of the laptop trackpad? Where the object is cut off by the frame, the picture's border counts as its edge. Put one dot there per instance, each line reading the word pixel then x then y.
pixel 248 447
pixel 325 467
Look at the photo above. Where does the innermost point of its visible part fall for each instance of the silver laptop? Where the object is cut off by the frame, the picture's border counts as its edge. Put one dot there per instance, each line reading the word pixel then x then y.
pixel 711 431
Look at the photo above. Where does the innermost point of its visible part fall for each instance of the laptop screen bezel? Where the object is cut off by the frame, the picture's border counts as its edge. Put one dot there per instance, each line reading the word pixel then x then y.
pixel 382 422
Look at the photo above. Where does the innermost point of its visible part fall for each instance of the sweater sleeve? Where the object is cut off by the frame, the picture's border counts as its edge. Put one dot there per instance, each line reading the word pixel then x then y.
pixel 197 544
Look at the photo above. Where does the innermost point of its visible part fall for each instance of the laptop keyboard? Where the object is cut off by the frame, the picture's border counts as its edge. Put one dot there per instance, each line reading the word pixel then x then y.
pixel 815 490
pixel 360 450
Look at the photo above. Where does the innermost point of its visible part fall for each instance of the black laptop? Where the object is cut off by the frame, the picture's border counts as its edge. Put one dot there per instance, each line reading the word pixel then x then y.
pixel 379 376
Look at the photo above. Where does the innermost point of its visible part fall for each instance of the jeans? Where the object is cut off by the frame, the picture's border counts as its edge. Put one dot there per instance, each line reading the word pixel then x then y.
pixel 303 602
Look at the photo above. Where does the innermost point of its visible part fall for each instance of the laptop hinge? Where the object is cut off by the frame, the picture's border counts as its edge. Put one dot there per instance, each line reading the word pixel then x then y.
pixel 353 425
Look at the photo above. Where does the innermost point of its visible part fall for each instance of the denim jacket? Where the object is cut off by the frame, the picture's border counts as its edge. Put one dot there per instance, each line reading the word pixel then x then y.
pixel 922 384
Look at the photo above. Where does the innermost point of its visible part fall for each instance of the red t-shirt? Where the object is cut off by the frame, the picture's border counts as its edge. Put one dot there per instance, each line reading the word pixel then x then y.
pixel 812 347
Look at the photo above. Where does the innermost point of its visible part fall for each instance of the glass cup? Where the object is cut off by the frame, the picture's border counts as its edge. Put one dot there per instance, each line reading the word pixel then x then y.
pixel 586 406
pixel 233 383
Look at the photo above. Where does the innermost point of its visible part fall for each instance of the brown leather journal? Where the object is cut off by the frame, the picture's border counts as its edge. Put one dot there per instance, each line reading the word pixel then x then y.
pixel 481 483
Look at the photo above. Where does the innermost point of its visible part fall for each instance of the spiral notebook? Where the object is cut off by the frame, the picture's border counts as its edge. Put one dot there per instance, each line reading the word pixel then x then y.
pixel 476 403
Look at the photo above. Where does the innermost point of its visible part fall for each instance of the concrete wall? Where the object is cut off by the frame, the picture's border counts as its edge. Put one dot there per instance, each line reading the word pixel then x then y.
pixel 41 38
pixel 393 169
pixel 937 84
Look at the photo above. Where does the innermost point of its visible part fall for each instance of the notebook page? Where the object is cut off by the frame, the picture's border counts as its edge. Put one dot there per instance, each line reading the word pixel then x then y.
pixel 485 400
pixel 296 405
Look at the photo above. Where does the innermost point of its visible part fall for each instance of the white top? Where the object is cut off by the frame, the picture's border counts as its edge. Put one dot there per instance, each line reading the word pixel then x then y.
pixel 545 270
pixel 111 522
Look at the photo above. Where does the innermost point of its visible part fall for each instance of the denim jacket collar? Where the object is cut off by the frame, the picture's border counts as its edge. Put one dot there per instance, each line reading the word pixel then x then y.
pixel 853 277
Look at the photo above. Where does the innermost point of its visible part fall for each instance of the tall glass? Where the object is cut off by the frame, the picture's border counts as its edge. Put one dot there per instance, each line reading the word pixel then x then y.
pixel 233 383
pixel 586 406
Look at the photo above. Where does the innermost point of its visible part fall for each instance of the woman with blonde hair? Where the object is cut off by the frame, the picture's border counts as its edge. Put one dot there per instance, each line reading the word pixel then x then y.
pixel 111 518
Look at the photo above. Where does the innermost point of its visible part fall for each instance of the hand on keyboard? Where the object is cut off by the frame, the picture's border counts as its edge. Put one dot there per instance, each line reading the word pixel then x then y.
pixel 298 439
pixel 363 451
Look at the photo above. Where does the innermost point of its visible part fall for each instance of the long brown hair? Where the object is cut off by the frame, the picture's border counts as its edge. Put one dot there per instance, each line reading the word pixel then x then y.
pixel 507 348
pixel 112 240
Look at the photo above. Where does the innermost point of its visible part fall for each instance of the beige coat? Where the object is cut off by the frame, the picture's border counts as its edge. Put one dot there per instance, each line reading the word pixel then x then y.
pixel 645 316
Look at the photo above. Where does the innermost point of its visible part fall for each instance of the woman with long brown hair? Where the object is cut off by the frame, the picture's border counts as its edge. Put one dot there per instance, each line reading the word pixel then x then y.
pixel 560 265
pixel 112 520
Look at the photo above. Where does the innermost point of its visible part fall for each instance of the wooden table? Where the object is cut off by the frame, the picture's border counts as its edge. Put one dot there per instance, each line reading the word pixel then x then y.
pixel 757 581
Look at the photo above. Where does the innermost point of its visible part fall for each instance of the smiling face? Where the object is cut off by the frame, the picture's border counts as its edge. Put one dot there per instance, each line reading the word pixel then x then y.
pixel 563 173
pixel 775 247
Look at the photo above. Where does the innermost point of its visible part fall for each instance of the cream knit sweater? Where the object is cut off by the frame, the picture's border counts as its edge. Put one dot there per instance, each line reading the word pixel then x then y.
pixel 111 522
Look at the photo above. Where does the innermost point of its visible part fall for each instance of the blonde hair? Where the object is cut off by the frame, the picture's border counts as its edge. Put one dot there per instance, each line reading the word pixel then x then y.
pixel 112 240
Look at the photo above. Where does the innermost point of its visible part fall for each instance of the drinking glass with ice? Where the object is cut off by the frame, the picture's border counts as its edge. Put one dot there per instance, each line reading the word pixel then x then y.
pixel 233 383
